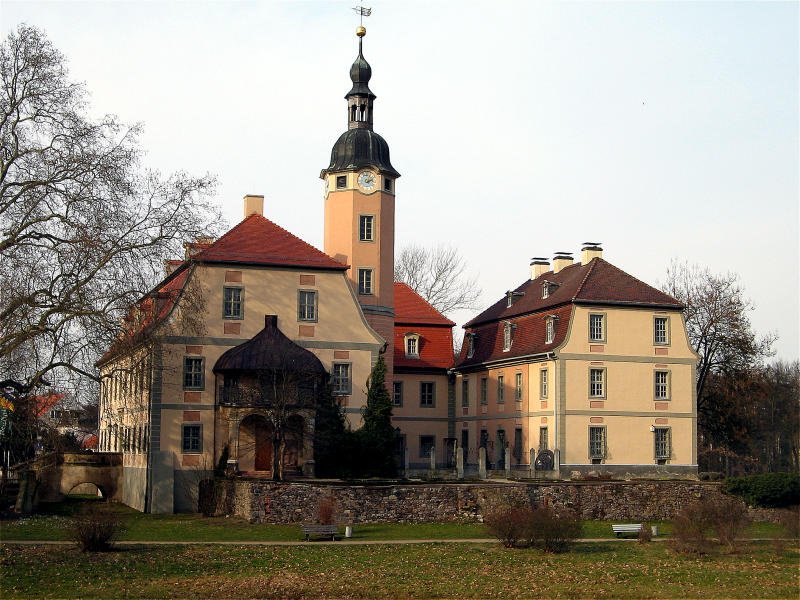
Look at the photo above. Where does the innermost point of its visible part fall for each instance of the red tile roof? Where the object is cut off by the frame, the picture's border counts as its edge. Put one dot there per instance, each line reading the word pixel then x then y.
pixel 413 314
pixel 596 282
pixel 410 308
pixel 259 241
pixel 528 337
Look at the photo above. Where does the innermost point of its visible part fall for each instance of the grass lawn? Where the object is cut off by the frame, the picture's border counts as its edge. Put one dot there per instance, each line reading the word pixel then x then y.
pixel 53 520
pixel 604 569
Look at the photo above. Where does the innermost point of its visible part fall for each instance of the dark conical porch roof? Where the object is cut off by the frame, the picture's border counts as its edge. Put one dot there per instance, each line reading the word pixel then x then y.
pixel 270 349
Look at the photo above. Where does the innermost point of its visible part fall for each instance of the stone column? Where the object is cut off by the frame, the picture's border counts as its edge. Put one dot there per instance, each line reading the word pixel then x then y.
pixel 482 463
pixel 557 462
pixel 507 452
pixel 433 459
pixel 460 462
pixel 405 461
pixel 532 466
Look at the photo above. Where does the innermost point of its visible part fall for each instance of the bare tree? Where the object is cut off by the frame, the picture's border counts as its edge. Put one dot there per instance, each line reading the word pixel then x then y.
pixel 717 321
pixel 84 228
pixel 439 275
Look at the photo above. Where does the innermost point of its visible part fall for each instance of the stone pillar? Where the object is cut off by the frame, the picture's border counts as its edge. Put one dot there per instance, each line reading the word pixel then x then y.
pixel 532 466
pixel 405 461
pixel 460 462
pixel 482 463
pixel 433 459
pixel 507 452
pixel 557 462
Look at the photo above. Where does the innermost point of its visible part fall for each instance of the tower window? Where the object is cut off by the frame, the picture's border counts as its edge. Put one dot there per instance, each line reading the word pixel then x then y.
pixel 365 282
pixel 341 182
pixel 388 184
pixel 366 228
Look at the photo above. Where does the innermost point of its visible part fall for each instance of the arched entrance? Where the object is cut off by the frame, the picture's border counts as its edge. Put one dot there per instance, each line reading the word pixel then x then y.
pixel 255 444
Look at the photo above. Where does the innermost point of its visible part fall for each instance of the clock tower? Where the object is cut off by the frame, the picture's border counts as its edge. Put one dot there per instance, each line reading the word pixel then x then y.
pixel 359 206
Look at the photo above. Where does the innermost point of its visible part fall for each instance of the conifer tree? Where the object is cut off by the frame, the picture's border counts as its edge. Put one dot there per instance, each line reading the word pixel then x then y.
pixel 377 434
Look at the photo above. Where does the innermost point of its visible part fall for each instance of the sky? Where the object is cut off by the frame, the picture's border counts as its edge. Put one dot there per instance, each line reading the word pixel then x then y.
pixel 667 131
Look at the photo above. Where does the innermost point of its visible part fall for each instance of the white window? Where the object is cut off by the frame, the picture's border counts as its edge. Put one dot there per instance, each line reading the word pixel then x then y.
pixel 545 290
pixel 365 282
pixel 501 389
pixel 543 383
pixel 366 229
pixel 508 335
pixel 597 387
pixel 597 328
pixel 341 379
pixel 597 443
pixel 518 387
pixel 661 330
pixel 232 303
pixel 412 345
pixel 307 305
pixel 662 443
pixel 662 385
pixel 549 330
pixel 470 345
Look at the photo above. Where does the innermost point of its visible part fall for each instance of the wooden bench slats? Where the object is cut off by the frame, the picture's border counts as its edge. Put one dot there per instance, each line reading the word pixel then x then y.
pixel 626 528
pixel 320 531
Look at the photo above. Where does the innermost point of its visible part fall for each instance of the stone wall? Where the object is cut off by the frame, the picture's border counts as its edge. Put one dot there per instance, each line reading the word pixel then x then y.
pixel 262 501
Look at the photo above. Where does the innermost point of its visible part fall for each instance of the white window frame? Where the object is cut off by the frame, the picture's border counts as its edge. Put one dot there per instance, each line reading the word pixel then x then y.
pixel 657 340
pixel 543 383
pixel 470 345
pixel 549 330
pixel 366 228
pixel 366 283
pixel 342 379
pixel 232 308
pixel 661 385
pixel 501 389
pixel 189 363
pixel 597 333
pixel 397 393
pixel 508 336
pixel 304 307
pixel 597 382
pixel 411 342
pixel 424 402
pixel 665 445
pixel 518 387
pixel 598 442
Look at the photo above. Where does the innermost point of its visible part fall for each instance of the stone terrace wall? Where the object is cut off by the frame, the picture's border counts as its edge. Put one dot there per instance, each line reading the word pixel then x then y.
pixel 271 502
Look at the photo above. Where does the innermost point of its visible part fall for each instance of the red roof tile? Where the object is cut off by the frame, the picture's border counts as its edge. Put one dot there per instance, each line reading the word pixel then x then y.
pixel 596 282
pixel 410 308
pixel 528 337
pixel 259 241
pixel 413 314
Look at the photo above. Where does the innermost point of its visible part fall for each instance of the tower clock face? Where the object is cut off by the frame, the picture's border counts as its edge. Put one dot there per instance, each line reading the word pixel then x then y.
pixel 367 180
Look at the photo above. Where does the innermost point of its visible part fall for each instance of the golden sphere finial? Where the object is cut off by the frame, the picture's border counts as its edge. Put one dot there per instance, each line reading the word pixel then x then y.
pixel 361 31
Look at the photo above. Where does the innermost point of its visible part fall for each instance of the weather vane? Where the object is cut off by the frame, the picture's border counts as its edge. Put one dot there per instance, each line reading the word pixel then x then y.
pixel 362 11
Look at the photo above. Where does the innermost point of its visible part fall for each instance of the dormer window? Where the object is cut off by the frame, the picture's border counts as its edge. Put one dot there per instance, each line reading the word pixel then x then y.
pixel 512 297
pixel 550 329
pixel 470 345
pixel 548 287
pixel 412 345
pixel 508 335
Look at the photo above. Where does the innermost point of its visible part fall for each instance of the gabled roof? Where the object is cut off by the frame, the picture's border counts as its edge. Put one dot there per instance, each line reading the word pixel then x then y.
pixel 413 314
pixel 411 308
pixel 259 241
pixel 598 282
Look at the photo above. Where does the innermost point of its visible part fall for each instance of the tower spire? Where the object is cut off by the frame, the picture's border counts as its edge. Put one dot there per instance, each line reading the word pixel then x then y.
pixel 360 98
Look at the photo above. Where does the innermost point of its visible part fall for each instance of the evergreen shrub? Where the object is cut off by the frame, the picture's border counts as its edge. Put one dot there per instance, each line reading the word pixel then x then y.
pixel 767 490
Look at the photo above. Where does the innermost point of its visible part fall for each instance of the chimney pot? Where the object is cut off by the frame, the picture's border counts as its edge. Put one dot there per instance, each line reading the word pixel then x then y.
pixel 539 266
pixel 561 260
pixel 253 205
pixel 589 251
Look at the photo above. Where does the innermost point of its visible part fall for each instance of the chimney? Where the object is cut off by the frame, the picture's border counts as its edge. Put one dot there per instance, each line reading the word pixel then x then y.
pixel 561 260
pixel 539 266
pixel 253 205
pixel 589 251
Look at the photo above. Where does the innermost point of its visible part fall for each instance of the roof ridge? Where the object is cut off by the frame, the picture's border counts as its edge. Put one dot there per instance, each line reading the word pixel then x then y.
pixel 589 271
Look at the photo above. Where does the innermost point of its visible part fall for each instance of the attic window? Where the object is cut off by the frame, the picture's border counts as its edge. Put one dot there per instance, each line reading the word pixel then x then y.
pixel 470 345
pixel 508 335
pixel 550 329
pixel 548 287
pixel 512 297
pixel 412 345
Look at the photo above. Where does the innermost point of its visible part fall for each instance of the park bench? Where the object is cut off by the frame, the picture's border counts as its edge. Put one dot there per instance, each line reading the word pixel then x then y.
pixel 627 528
pixel 320 531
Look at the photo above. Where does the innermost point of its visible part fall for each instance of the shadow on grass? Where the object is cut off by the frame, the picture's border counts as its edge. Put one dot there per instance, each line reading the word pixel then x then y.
pixel 594 548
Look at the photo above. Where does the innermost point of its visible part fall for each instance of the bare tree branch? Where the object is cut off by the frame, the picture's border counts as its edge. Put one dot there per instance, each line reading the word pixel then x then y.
pixel 439 275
